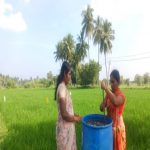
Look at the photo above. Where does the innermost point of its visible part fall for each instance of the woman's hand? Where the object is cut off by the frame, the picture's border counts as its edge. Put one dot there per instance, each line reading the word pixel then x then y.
pixel 76 115
pixel 102 107
pixel 103 85
pixel 77 118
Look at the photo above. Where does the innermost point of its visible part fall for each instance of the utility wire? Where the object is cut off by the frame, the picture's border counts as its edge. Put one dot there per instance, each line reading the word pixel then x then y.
pixel 148 52
pixel 133 59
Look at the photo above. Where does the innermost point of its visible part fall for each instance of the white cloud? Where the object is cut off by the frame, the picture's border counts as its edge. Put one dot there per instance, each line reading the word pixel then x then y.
pixel 9 20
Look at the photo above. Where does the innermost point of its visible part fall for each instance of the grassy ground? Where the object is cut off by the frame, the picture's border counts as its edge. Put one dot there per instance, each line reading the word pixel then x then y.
pixel 28 117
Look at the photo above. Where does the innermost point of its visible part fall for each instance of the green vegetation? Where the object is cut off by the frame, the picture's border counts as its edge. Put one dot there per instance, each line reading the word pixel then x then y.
pixel 29 116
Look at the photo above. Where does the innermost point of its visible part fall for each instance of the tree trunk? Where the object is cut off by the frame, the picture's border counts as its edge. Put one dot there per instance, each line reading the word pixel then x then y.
pixel 106 69
pixel 76 75
pixel 98 53
pixel 88 50
pixel 109 69
pixel 98 62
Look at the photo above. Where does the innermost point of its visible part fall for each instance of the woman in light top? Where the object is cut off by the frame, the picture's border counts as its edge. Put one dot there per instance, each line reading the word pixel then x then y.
pixel 65 128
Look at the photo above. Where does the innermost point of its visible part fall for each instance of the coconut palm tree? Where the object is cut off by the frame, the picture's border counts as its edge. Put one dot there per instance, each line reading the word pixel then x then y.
pixel 97 34
pixel 80 53
pixel 106 41
pixel 65 49
pixel 69 47
pixel 59 53
pixel 87 23
pixel 81 48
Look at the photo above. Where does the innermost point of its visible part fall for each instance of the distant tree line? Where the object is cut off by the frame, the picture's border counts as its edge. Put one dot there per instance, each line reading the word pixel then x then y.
pixel 87 75
pixel 138 79
pixel 14 82
pixel 142 79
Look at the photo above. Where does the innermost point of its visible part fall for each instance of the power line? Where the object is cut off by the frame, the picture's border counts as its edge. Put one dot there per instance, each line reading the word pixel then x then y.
pixel 130 59
pixel 140 58
pixel 148 52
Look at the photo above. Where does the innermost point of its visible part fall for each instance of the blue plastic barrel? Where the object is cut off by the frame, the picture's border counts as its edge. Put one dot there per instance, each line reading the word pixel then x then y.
pixel 97 137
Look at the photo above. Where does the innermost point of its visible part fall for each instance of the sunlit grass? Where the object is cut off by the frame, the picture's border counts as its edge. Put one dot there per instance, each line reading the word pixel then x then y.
pixel 29 117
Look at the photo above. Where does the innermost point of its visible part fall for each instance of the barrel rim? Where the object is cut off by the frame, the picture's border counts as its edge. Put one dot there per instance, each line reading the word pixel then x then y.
pixel 104 126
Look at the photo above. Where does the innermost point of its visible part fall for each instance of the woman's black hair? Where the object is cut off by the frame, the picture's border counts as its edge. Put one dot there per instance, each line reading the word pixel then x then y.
pixel 116 75
pixel 65 68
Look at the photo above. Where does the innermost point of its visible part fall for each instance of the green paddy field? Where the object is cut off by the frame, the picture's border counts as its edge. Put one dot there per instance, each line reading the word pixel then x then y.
pixel 28 117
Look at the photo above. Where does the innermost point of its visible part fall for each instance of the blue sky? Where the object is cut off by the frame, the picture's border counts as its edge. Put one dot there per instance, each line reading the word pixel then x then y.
pixel 30 30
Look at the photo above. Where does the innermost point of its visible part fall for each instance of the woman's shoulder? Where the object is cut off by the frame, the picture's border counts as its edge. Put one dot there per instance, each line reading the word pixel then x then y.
pixel 120 93
pixel 61 86
pixel 61 90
